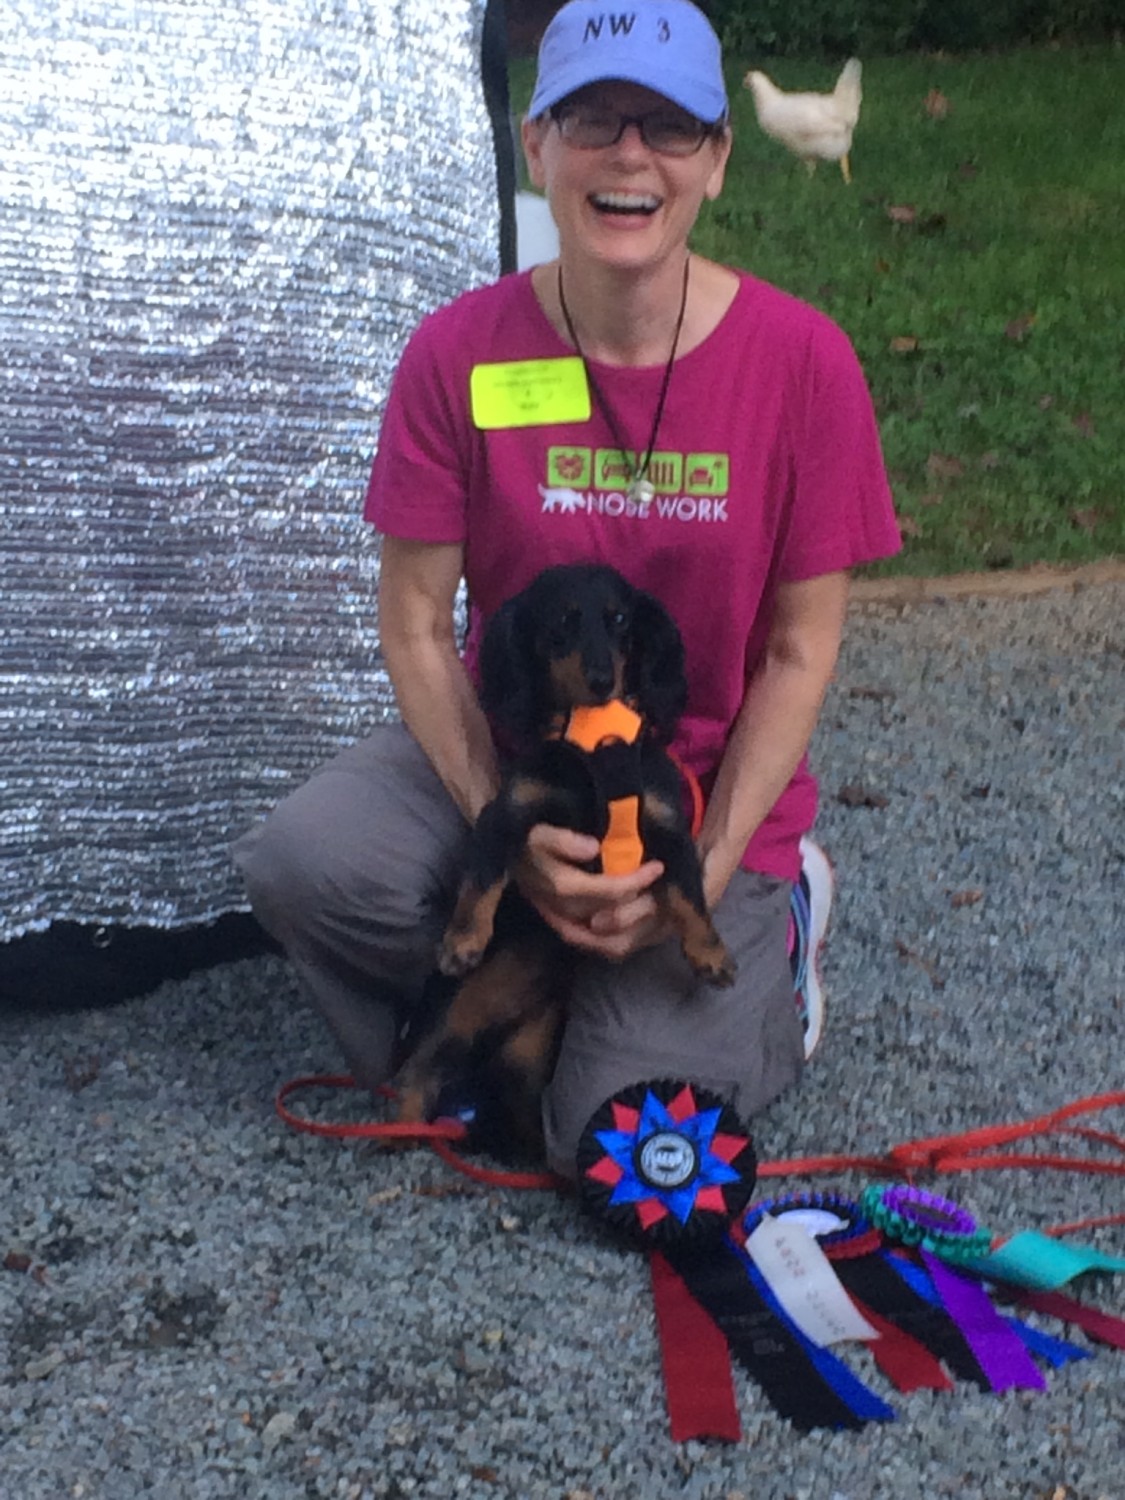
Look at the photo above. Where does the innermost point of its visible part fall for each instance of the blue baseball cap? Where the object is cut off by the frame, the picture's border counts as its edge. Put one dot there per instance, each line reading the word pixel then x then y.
pixel 668 46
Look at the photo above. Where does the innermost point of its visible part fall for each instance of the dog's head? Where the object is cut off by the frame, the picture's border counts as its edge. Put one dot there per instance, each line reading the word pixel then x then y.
pixel 580 634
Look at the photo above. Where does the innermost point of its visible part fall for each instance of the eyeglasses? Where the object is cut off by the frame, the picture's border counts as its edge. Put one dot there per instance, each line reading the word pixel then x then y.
pixel 671 132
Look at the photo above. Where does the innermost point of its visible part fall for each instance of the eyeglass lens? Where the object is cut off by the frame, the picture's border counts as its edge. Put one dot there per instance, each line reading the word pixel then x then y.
pixel 671 132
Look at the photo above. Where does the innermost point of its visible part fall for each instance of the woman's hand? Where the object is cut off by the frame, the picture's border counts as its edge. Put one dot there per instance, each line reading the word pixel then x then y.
pixel 609 915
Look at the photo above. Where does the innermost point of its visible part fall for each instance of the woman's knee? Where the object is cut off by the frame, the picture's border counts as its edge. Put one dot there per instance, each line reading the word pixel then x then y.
pixel 342 857
pixel 281 868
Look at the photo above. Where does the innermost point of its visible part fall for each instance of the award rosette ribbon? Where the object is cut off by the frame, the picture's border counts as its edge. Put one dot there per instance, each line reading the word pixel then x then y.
pixel 770 1287
pixel 666 1163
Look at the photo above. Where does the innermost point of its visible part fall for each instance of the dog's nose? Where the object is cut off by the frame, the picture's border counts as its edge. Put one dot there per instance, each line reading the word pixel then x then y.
pixel 600 682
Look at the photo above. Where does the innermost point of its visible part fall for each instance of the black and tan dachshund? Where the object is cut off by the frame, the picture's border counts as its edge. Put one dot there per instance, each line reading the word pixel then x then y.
pixel 582 675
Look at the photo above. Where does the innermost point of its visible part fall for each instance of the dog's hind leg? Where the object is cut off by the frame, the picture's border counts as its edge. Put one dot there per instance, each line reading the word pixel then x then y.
pixel 522 1070
pixel 491 1003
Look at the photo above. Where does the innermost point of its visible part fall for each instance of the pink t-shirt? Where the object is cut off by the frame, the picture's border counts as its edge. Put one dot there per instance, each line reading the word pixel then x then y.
pixel 767 467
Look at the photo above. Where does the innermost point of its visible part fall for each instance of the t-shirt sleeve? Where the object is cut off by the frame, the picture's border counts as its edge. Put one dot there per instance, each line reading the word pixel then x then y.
pixel 419 478
pixel 842 513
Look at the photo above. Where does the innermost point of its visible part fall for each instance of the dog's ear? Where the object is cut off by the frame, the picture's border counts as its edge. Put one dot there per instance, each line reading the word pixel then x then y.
pixel 656 676
pixel 509 672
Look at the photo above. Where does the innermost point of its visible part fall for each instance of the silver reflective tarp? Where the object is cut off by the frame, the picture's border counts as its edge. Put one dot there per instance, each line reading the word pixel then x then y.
pixel 218 225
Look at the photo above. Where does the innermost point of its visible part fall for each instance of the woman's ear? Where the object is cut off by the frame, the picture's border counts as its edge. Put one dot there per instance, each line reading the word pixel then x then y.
pixel 656 673
pixel 720 147
pixel 532 133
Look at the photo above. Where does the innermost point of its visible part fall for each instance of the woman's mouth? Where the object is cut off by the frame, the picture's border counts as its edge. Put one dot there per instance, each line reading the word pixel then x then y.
pixel 642 205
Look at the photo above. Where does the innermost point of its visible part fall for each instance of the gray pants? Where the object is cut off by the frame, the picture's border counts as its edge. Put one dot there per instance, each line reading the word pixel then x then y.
pixel 355 874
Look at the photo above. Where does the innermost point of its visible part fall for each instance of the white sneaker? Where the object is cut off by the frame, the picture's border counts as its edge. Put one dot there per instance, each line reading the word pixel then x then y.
pixel 808 922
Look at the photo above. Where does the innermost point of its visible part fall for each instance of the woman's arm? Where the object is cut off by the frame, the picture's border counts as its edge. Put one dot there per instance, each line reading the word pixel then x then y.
pixel 417 591
pixel 770 734
pixel 775 723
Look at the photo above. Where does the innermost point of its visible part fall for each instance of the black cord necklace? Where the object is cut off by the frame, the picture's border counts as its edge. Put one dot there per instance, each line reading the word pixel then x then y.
pixel 641 489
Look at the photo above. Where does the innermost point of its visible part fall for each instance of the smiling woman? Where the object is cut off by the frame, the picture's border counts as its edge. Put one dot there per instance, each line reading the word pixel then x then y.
pixel 634 404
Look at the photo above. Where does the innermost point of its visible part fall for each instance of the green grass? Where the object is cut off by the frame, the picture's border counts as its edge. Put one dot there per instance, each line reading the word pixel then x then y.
pixel 1003 425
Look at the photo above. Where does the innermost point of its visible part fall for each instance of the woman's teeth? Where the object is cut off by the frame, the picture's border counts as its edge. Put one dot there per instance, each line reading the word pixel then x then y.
pixel 625 203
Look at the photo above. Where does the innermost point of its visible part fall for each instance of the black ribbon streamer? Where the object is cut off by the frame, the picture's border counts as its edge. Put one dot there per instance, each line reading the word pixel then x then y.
pixel 874 1280
pixel 761 1342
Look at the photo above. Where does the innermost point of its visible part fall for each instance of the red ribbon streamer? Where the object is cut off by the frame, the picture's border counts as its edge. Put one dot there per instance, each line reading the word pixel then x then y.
pixel 697 1373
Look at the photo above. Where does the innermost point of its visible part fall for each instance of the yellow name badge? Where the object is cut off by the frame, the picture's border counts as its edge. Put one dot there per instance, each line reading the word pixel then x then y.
pixel 529 393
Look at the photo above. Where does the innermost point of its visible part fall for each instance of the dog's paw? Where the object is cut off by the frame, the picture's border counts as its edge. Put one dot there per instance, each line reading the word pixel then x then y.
pixel 713 964
pixel 460 953
pixel 410 1104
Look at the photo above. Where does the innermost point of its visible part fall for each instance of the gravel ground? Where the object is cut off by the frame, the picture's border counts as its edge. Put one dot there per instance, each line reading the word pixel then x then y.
pixel 215 1306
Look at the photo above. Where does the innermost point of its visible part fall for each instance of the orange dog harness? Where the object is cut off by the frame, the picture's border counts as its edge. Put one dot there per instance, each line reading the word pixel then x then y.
pixel 609 733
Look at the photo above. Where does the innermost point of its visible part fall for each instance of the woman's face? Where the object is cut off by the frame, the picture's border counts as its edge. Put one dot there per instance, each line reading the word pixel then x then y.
pixel 626 205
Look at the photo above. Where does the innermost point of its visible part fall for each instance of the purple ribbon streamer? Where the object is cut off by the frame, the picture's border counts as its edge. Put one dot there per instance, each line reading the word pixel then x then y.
pixel 999 1352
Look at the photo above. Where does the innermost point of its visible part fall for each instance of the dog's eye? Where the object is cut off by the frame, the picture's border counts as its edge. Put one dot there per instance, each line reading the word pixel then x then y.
pixel 563 630
pixel 617 619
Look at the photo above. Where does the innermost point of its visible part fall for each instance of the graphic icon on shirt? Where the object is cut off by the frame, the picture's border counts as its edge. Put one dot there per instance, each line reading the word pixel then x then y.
pixel 707 474
pixel 569 468
pixel 562 497
pixel 595 481
pixel 614 470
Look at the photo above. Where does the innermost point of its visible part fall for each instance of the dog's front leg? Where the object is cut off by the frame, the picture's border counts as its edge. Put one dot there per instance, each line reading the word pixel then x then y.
pixel 498 839
pixel 679 893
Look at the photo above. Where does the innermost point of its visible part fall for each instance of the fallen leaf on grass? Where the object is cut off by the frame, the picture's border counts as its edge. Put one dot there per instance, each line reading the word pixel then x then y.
pixel 944 466
pixel 1084 424
pixel 909 526
pixel 908 955
pixel 971 897
pixel 990 460
pixel 902 213
pixel 937 105
pixel 851 794
pixel 1088 519
pixel 17 1260
pixel 1019 328
pixel 905 344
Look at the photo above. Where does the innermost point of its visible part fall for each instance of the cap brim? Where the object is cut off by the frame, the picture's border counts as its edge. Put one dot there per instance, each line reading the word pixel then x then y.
pixel 702 100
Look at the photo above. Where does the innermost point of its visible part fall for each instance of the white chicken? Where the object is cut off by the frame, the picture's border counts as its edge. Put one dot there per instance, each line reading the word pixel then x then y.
pixel 814 127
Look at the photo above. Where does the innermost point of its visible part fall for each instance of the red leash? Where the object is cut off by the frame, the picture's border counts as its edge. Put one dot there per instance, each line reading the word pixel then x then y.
pixel 965 1151
pixel 440 1134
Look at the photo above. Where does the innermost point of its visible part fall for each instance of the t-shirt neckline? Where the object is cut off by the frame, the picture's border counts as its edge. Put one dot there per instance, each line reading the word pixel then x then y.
pixel 635 371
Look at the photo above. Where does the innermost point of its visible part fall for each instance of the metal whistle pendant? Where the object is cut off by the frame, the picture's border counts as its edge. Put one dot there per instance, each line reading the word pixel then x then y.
pixel 641 491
